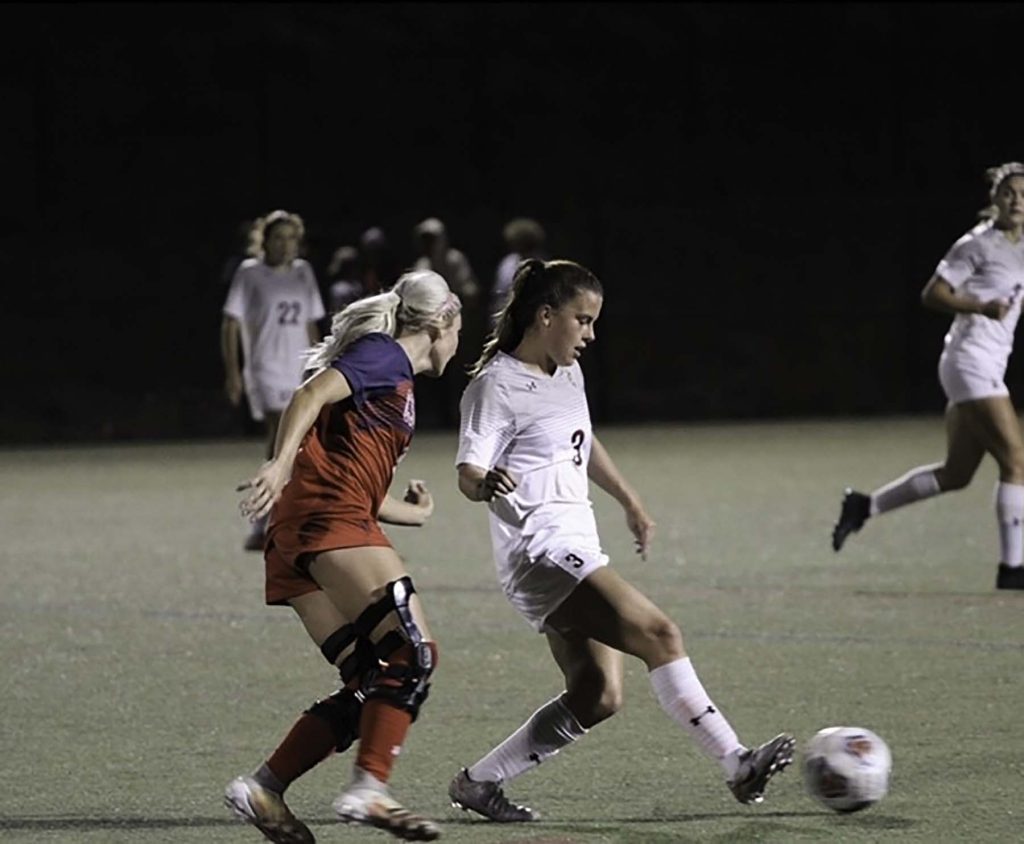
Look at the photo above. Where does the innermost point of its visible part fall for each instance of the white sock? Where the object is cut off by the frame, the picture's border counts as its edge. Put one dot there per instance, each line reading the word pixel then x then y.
pixel 683 698
pixel 547 731
pixel 917 484
pixel 1010 515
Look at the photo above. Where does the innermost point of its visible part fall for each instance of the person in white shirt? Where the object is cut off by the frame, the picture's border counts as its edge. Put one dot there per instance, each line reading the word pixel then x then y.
pixel 526 447
pixel 271 310
pixel 979 281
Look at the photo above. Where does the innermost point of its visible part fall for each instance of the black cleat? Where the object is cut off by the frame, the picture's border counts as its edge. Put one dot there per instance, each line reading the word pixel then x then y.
pixel 856 510
pixel 1010 577
pixel 759 765
pixel 486 798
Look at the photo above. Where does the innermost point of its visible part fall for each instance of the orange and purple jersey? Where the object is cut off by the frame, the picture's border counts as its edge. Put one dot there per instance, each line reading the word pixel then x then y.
pixel 347 459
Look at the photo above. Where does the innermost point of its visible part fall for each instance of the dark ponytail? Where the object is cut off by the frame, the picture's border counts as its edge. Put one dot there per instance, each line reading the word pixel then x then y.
pixel 535 284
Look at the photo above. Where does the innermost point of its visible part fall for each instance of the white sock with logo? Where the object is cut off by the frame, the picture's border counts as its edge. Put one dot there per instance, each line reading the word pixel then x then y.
pixel 547 731
pixel 684 700
pixel 1010 515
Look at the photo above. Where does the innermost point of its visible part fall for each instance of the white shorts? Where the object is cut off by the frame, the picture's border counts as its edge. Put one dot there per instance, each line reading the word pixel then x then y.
pixel 267 396
pixel 537 586
pixel 969 379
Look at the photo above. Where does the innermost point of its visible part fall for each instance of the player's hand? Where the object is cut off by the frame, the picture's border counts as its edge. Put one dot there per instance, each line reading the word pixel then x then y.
pixel 419 496
pixel 233 388
pixel 642 527
pixel 497 481
pixel 995 308
pixel 264 490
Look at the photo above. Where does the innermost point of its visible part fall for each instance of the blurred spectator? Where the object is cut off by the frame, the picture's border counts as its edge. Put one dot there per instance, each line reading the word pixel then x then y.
pixel 431 241
pixel 524 238
pixel 272 308
pixel 377 272
pixel 247 245
pixel 439 399
pixel 344 283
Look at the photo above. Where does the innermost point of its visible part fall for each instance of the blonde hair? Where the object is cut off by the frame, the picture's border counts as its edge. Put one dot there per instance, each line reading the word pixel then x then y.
pixel 996 176
pixel 419 301
pixel 262 226
pixel 535 284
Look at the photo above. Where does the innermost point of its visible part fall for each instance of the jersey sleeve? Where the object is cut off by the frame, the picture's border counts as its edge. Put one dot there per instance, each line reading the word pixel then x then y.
pixel 372 363
pixel 234 305
pixel 486 424
pixel 961 262
pixel 316 302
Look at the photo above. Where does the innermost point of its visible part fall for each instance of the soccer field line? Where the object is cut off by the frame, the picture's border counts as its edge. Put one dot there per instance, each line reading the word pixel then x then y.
pixel 277 617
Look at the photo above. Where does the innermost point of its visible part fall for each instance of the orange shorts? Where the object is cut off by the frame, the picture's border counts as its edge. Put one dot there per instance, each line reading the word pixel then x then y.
pixel 290 550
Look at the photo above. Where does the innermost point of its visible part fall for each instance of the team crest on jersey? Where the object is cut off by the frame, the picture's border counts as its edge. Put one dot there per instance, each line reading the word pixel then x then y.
pixel 409 412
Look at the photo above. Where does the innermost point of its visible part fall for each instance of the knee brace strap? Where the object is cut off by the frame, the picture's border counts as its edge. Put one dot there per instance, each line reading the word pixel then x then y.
pixel 356 663
pixel 337 642
pixel 403 684
pixel 341 711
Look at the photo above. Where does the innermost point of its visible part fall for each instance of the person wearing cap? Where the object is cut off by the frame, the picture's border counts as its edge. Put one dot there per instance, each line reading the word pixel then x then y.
pixel 434 253
pixel 430 238
pixel 979 282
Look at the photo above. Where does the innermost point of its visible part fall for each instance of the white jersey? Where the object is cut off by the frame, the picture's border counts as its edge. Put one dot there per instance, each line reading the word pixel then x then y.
pixel 538 428
pixel 274 310
pixel 985 265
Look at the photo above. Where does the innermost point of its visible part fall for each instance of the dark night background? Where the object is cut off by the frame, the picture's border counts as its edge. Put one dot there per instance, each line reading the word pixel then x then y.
pixel 764 189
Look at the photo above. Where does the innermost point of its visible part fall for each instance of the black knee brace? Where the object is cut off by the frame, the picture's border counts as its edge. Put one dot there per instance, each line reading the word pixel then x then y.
pixel 341 711
pixel 404 685
pixel 361 658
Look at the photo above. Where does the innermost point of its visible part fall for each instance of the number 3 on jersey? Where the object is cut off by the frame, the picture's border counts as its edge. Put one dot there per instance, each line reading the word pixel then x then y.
pixel 577 443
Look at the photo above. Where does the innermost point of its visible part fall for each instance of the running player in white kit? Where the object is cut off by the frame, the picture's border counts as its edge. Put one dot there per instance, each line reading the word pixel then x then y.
pixel 526 447
pixel 272 306
pixel 979 281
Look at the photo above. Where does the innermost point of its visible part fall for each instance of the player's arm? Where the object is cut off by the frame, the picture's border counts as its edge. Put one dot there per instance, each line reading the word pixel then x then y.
pixel 326 387
pixel 229 341
pixel 413 510
pixel 603 472
pixel 939 295
pixel 480 484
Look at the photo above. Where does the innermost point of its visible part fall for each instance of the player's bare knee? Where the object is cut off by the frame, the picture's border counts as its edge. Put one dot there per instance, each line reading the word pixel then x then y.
pixel 1011 468
pixel 595 696
pixel 665 638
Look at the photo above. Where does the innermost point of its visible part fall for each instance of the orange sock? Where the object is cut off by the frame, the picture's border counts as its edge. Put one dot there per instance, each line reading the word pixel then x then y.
pixel 308 743
pixel 382 731
pixel 383 726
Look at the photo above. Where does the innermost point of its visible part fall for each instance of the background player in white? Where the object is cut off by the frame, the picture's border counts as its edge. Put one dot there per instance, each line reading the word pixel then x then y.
pixel 526 447
pixel 272 307
pixel 980 281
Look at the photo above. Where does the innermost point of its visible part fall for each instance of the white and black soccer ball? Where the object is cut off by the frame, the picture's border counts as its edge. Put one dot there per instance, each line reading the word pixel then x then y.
pixel 847 768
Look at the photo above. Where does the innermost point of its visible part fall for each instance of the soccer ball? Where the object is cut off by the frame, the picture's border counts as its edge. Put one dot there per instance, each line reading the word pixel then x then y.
pixel 847 768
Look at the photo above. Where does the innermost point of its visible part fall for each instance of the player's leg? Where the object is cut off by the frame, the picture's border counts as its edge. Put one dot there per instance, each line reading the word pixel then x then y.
pixel 371 586
pixel 995 424
pixel 964 452
pixel 593 679
pixel 330 724
pixel 606 608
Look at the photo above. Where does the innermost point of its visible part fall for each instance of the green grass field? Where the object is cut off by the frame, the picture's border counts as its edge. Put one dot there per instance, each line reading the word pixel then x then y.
pixel 141 670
